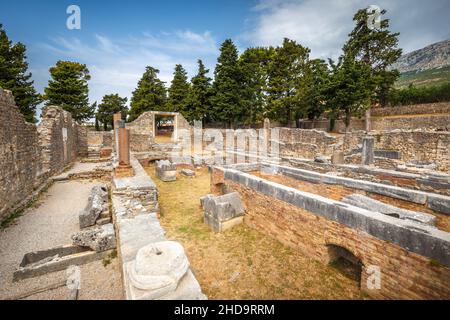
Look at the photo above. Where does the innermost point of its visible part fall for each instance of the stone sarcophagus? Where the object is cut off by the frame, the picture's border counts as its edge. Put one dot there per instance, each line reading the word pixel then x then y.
pixel 166 171
pixel 222 212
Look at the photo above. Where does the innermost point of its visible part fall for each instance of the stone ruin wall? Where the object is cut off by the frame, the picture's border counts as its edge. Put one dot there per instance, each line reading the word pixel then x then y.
pixel 404 274
pixel 20 155
pixel 413 145
pixel 30 154
pixel 430 116
pixel 58 139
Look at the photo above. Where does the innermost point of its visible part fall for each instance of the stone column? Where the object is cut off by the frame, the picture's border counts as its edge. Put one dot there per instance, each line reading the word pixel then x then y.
pixel 117 117
pixel 367 120
pixel 368 145
pixel 124 168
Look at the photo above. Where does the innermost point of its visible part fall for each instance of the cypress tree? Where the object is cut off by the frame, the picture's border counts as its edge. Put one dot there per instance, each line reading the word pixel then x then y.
pixel 149 95
pixel 178 91
pixel 199 102
pixel 228 88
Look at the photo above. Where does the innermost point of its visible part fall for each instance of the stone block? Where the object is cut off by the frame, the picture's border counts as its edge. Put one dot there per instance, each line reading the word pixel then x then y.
pixel 188 172
pixel 97 202
pixel 219 209
pixel 166 171
pixel 368 145
pixel 439 203
pixel 98 239
pixel 337 157
pixel 370 204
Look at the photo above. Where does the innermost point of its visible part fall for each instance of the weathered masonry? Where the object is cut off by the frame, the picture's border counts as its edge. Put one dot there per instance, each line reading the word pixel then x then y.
pixel 413 258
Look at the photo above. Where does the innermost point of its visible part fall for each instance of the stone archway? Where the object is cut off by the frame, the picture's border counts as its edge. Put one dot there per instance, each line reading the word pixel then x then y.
pixel 345 261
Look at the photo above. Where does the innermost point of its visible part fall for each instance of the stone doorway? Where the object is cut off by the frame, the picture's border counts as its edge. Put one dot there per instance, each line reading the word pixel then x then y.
pixel 164 128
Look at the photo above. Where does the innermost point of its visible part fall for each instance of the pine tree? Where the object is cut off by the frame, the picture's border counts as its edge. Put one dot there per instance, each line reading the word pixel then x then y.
pixel 178 91
pixel 254 64
pixel 111 104
pixel 228 88
pixel 68 88
pixel 349 88
pixel 14 76
pixel 285 71
pixel 378 49
pixel 150 94
pixel 199 101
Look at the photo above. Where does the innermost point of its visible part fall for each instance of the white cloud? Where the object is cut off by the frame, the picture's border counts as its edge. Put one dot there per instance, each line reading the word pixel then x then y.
pixel 323 25
pixel 116 65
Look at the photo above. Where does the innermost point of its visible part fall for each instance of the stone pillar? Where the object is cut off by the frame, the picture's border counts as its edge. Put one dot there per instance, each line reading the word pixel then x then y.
pixel 367 120
pixel 368 145
pixel 117 117
pixel 124 168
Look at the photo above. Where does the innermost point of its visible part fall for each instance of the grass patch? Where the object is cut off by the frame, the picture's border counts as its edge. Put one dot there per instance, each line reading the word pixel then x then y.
pixel 267 269
pixel 108 259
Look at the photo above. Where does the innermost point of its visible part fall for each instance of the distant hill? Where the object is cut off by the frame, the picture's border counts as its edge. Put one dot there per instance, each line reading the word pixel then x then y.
pixel 426 66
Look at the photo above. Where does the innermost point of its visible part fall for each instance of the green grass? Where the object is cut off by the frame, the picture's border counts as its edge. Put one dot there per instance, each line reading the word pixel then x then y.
pixel 431 77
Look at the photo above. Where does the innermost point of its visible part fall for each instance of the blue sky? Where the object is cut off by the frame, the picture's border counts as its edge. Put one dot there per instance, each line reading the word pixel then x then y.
pixel 119 38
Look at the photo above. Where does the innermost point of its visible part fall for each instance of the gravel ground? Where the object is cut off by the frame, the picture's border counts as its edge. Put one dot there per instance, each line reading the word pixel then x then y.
pixel 48 224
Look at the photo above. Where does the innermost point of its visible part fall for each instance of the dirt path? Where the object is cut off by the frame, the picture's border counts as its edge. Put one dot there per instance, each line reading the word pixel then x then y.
pixel 50 223
pixel 242 263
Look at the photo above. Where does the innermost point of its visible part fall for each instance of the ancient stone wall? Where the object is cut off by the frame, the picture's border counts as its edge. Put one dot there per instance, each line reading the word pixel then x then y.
pixel 412 145
pixel 300 143
pixel 426 108
pixel 82 132
pixel 423 116
pixel 20 155
pixel 58 135
pixel 30 154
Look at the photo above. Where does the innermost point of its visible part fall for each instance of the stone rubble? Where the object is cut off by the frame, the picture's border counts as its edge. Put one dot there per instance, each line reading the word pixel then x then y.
pixel 99 239
pixel 97 203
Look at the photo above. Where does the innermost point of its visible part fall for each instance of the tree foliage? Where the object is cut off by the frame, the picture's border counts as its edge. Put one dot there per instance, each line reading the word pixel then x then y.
pixel 285 73
pixel 150 94
pixel 378 49
pixel 111 104
pixel 178 91
pixel 228 86
pixel 349 89
pixel 68 88
pixel 14 76
pixel 199 99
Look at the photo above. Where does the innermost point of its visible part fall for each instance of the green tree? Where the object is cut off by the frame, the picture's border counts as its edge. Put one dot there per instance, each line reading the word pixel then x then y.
pixel 149 95
pixel 68 88
pixel 349 90
pixel 228 86
pixel 178 91
pixel 378 49
pixel 311 91
pixel 254 64
pixel 285 72
pixel 14 76
pixel 111 104
pixel 199 100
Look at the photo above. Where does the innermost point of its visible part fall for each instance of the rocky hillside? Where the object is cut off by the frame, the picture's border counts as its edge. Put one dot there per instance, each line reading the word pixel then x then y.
pixel 434 56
